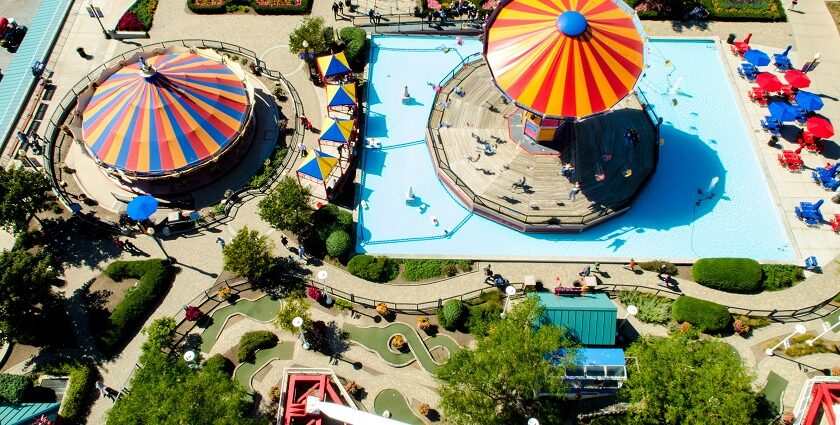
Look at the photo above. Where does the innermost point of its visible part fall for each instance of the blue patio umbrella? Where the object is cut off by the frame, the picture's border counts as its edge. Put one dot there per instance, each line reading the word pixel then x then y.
pixel 783 54
pixel 141 207
pixel 809 101
pixel 782 111
pixel 757 57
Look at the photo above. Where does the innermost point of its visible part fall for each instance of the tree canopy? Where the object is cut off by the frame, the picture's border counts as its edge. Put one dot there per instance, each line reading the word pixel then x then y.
pixel 23 193
pixel 25 295
pixel 286 207
pixel 684 381
pixel 312 31
pixel 499 381
pixel 249 254
pixel 166 391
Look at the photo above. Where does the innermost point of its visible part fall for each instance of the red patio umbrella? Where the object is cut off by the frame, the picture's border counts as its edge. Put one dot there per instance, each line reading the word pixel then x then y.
pixel 768 81
pixel 797 78
pixel 820 127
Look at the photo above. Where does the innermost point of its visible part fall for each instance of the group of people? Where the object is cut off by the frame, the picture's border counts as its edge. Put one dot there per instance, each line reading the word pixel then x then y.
pixel 631 138
pixel 374 16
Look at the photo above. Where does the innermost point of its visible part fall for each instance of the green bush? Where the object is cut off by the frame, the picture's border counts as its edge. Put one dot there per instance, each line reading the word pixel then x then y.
pixel 374 269
pixel 206 7
pixel 75 396
pixel 652 308
pixel 154 281
pixel 253 341
pixel 741 10
pixel 220 362
pixel 780 276
pixel 420 269
pixel 355 40
pixel 343 304
pixel 450 315
pixel 281 9
pixel 338 243
pixel 326 221
pixel 483 316
pixel 144 10
pixel 268 170
pixel 705 315
pixel 12 387
pixel 738 275
pixel 653 266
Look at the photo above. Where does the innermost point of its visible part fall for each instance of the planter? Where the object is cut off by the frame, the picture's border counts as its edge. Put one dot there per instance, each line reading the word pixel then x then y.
pixel 398 344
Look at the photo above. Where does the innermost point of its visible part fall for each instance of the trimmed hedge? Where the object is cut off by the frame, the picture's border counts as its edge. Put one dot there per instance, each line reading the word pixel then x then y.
pixel 220 362
pixel 705 315
pixel 719 10
pixel 780 276
pixel 338 243
pixel 76 394
pixel 154 282
pixel 374 269
pixel 253 341
pixel 738 275
pixel 420 269
pixel 207 7
pixel 12 387
pixel 264 9
pixel 450 315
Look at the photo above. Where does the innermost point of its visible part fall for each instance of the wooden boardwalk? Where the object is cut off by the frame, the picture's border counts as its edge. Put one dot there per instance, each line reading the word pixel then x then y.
pixel 460 128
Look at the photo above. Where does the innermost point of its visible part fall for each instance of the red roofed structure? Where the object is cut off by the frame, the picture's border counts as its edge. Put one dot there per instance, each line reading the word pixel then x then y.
pixel 819 402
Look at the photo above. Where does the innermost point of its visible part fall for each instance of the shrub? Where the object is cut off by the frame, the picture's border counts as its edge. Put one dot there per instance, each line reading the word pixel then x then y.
pixel 293 306
pixel 450 315
pixel 343 304
pixel 424 323
pixel 314 293
pixel 338 243
pixel 780 276
pixel 12 387
pixel 154 281
pixel 424 409
pixel 740 327
pixel 74 405
pixel 739 10
pixel 754 322
pixel 382 309
pixel 129 22
pixel 206 7
pixel 193 313
pixel 269 167
pixel 421 269
pixel 652 308
pixel 353 389
pixel 144 12
pixel 654 266
pixel 375 269
pixel 397 342
pixel 253 341
pixel 483 316
pixel 224 293
pixel 220 362
pixel 706 315
pixel 739 275
pixel 356 46
pixel 278 7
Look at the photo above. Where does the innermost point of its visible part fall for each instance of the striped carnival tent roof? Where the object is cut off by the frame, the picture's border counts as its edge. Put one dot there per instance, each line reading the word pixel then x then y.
pixel 565 58
pixel 170 113
pixel 332 65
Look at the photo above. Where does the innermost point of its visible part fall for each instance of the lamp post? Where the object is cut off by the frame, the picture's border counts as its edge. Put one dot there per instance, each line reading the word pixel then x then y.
pixel 509 291
pixel 533 421
pixel 307 55
pixel 98 19
pixel 798 330
pixel 323 276
pixel 631 311
pixel 813 63
pixel 298 323
pixel 151 232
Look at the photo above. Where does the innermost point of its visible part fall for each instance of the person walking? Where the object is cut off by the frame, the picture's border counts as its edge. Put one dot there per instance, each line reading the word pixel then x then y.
pixel 631 266
pixel 81 52
pixel 341 8
pixel 793 4
pixel 221 242
pixel 573 193
pixel 335 10
pixel 301 253
pixel 370 15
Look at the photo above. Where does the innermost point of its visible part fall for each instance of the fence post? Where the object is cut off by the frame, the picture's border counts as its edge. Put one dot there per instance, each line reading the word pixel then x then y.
pixel 440 303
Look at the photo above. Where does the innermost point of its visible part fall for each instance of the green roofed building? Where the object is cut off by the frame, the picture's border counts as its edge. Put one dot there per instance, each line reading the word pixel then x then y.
pixel 589 317
pixel 26 413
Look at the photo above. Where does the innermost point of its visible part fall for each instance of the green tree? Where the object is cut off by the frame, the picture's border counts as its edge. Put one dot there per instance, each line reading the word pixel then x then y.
pixel 311 31
pixel 25 296
pixel 160 333
pixel 684 381
pixel 249 254
pixel 499 381
pixel 286 207
pixel 23 193
pixel 293 306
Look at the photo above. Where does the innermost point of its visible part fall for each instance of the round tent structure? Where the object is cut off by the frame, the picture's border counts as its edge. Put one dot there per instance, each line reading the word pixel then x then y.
pixel 165 113
pixel 562 58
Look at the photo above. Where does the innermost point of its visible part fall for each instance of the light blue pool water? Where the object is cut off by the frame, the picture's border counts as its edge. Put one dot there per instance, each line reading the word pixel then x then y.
pixel 704 137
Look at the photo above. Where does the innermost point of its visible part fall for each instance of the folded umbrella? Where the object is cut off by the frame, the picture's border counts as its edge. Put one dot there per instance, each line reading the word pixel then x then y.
pixel 782 111
pixel 768 81
pixel 797 78
pixel 757 57
pixel 820 127
pixel 809 101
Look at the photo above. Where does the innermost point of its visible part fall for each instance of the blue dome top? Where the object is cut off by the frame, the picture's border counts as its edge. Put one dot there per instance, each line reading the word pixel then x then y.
pixel 571 23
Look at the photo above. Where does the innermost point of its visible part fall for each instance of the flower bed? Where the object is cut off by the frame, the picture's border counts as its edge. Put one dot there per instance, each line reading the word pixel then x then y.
pixel 139 16
pixel 206 7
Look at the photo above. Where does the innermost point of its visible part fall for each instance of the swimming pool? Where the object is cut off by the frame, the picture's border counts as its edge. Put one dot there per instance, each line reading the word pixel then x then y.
pixel 704 138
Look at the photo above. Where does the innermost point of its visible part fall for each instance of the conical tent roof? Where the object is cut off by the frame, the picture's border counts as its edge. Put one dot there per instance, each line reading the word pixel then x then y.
pixel 341 95
pixel 335 130
pixel 332 65
pixel 319 166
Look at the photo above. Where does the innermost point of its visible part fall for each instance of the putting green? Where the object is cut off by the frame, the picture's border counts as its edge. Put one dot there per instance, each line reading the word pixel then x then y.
pixel 245 371
pixel 376 339
pixel 261 310
pixel 394 402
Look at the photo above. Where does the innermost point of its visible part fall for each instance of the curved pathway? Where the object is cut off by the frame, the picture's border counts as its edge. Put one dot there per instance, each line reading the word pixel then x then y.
pixel 261 310
pixel 376 339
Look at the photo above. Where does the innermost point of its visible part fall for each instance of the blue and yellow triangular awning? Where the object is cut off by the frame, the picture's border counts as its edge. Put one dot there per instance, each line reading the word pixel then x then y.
pixel 341 95
pixel 336 130
pixel 319 166
pixel 333 65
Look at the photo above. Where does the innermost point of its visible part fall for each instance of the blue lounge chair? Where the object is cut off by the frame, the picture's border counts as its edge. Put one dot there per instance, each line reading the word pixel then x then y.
pixel 771 124
pixel 809 212
pixel 811 263
pixel 782 63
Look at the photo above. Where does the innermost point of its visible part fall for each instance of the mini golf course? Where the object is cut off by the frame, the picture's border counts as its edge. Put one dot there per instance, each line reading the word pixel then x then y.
pixel 261 310
pixel 245 371
pixel 376 339
pixel 394 402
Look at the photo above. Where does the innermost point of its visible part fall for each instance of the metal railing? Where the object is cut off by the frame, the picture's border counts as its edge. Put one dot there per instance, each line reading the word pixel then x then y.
pixel 55 138
pixel 399 20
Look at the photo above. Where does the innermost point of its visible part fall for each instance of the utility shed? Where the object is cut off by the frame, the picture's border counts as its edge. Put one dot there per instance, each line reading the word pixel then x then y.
pixel 589 317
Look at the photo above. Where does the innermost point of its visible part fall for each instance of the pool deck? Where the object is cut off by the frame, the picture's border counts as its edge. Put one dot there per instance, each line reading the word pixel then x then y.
pixel 487 182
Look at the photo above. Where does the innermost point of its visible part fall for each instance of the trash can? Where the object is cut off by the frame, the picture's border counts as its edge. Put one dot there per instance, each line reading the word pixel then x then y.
pixel 731 38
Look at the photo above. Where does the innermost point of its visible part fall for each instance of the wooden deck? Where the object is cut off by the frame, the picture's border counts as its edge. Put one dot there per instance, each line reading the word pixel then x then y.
pixel 486 181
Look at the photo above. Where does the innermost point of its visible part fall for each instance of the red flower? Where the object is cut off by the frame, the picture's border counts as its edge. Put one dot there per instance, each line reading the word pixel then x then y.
pixel 193 313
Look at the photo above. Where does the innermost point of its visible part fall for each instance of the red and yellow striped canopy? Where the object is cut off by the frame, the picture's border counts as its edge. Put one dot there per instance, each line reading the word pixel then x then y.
pixel 565 58
pixel 186 112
